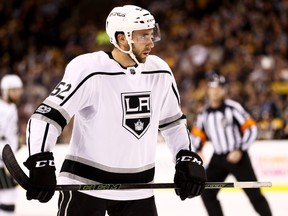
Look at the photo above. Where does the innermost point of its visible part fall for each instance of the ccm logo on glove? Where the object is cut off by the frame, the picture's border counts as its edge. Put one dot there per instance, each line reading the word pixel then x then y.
pixel 190 176
pixel 44 163
pixel 189 158
pixel 42 177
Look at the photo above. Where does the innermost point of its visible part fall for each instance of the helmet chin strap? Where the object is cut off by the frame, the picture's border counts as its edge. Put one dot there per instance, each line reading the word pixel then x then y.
pixel 133 57
pixel 129 52
pixel 138 69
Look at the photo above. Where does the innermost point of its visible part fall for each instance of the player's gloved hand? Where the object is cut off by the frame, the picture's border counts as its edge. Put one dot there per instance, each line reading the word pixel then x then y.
pixel 42 181
pixel 190 175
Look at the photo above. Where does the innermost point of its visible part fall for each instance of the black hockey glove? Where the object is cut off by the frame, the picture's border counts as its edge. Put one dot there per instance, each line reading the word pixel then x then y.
pixel 42 181
pixel 190 175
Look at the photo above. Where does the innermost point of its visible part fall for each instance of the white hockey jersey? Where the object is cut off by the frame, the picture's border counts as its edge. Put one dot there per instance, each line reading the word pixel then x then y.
pixel 117 115
pixel 8 126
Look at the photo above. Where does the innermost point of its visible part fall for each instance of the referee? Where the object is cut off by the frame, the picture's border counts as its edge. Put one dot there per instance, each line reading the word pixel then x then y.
pixel 231 130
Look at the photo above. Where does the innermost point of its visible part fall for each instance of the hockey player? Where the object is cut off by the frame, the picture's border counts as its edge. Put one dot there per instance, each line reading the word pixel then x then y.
pixel 11 91
pixel 231 131
pixel 119 100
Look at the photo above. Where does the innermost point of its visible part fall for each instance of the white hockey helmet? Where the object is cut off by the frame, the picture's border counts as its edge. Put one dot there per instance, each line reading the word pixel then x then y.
pixel 11 81
pixel 127 19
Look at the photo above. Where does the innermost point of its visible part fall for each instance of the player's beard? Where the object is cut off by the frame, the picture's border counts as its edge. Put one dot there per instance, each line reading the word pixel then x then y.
pixel 15 100
pixel 138 55
pixel 139 58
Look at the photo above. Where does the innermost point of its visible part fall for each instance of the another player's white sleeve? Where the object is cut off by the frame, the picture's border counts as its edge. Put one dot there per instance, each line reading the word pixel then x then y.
pixel 9 131
pixel 12 130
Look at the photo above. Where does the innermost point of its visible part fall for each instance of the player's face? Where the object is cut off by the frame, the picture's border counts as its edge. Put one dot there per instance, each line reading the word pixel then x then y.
pixel 143 44
pixel 216 94
pixel 14 95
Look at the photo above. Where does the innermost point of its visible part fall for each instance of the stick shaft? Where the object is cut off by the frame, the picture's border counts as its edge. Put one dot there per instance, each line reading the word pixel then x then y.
pixel 23 180
pixel 116 186
pixel 208 185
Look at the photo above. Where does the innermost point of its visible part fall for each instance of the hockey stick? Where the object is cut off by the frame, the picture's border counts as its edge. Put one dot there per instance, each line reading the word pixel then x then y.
pixel 23 180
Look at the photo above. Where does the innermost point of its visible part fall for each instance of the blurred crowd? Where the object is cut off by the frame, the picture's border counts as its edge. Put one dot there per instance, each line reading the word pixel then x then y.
pixel 244 40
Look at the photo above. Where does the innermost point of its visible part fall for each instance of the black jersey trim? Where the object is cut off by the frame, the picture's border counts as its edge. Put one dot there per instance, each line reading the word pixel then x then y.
pixel 156 72
pixel 28 140
pixel 51 113
pixel 103 176
pixel 108 74
pixel 86 78
pixel 175 92
pixel 45 137
pixel 165 125
pixel 7 208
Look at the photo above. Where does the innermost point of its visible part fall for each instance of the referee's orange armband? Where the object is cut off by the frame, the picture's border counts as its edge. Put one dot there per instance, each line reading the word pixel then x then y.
pixel 248 123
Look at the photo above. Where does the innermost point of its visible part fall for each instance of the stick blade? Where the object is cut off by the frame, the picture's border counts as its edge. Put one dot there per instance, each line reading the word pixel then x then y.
pixel 13 167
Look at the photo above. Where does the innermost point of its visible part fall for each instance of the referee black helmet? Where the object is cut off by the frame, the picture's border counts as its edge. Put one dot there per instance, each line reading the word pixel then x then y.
pixel 216 80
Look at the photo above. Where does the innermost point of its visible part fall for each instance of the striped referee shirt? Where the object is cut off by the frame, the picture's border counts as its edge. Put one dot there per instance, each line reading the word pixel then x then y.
pixel 228 127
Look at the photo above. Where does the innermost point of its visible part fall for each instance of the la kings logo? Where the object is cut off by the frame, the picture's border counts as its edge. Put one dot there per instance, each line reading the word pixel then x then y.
pixel 136 112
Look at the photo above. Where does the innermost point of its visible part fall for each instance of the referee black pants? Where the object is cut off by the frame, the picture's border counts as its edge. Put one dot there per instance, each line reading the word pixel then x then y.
pixel 218 170
pixel 74 203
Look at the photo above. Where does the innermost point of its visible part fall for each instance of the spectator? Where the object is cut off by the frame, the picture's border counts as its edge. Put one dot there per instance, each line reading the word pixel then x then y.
pixel 33 32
